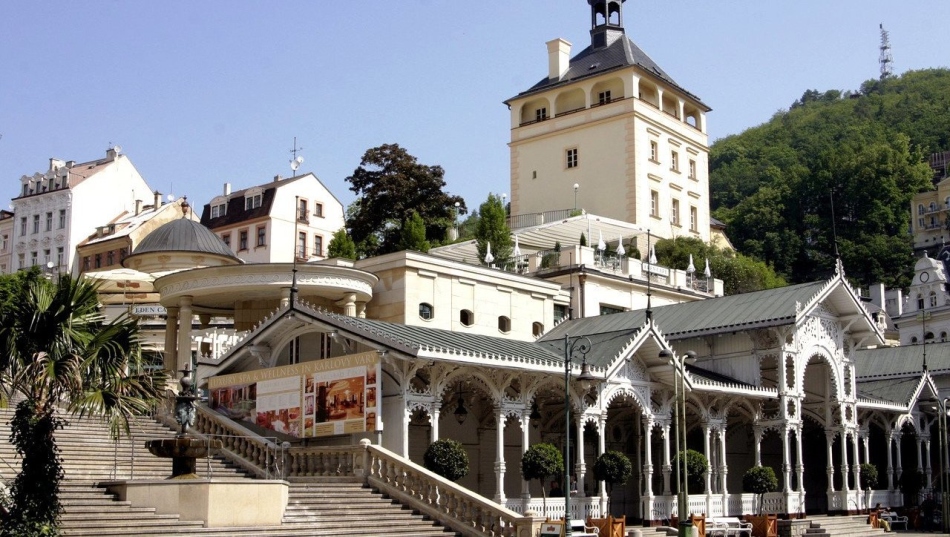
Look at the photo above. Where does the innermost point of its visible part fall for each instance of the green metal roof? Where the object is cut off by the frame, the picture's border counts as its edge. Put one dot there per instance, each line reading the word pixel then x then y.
pixel 897 391
pixel 906 360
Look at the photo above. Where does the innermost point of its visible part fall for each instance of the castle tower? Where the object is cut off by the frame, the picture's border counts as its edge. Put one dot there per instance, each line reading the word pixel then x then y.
pixel 612 122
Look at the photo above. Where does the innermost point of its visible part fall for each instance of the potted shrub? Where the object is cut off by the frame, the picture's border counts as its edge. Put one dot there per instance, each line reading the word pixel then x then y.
pixel 613 468
pixel 758 480
pixel 696 467
pixel 869 477
pixel 447 458
pixel 539 462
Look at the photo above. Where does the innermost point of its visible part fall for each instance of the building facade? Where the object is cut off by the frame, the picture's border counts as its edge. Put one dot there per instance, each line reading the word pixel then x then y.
pixel 6 242
pixel 58 209
pixel 608 131
pixel 276 222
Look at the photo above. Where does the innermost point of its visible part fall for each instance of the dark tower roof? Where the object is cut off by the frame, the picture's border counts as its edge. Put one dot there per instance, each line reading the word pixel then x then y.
pixel 184 235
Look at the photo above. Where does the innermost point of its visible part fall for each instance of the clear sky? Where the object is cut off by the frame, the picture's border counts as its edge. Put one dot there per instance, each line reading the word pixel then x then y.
pixel 203 93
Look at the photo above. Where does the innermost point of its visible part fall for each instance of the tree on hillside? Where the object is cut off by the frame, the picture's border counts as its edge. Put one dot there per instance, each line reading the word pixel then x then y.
pixel 390 183
pixel 739 273
pixel 492 228
pixel 413 234
pixel 56 352
pixel 833 168
pixel 341 245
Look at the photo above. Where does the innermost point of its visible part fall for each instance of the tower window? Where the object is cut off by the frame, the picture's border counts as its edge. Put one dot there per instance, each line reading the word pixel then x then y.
pixel 467 317
pixel 252 202
pixel 541 114
pixel 604 97
pixel 426 311
pixel 572 158
pixel 504 324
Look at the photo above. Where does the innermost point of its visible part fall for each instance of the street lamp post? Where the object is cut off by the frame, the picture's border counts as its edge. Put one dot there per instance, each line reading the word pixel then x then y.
pixel 581 345
pixel 576 186
pixel 679 393
pixel 457 230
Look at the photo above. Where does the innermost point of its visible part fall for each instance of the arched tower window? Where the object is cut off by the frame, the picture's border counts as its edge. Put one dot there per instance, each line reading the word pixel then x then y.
pixel 933 299
pixel 920 301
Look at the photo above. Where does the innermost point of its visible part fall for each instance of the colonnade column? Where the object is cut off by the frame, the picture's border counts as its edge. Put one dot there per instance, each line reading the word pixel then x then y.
pixel 648 458
pixel 856 470
pixel 525 444
pixel 845 486
pixel 830 469
pixel 786 462
pixel 890 462
pixel 757 447
pixel 707 433
pixel 927 468
pixel 184 332
pixel 723 469
pixel 171 340
pixel 667 464
pixel 799 464
pixel 601 449
pixel 434 423
pixel 500 456
pixel 580 467
pixel 406 418
pixel 900 468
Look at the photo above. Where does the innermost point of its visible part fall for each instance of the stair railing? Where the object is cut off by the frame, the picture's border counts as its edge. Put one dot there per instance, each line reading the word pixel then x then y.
pixel 258 455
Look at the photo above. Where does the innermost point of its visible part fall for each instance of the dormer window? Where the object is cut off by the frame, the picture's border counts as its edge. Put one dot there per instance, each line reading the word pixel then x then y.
pixel 218 210
pixel 252 202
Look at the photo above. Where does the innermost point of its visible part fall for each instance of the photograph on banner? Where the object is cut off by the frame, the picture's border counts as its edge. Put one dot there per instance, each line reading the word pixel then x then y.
pixel 310 399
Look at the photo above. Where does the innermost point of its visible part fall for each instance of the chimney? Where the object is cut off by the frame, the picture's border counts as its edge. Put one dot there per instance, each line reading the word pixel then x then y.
pixel 559 57
pixel 158 199
pixel 70 163
pixel 55 164
pixel 227 189
pixel 138 207
pixel 278 177
pixel 111 153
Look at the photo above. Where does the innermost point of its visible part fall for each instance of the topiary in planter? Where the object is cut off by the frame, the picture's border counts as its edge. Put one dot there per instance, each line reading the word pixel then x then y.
pixel 447 458
pixel 696 467
pixel 539 462
pixel 613 468
pixel 759 480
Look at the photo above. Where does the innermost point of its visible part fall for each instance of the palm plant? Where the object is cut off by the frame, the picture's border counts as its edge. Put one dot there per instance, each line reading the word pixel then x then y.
pixel 57 352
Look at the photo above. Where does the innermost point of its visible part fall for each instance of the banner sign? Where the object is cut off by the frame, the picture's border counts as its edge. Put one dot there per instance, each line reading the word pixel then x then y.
pixel 148 310
pixel 306 400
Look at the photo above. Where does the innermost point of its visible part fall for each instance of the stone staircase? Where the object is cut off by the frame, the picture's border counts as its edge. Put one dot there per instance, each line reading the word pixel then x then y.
pixel 840 526
pixel 327 507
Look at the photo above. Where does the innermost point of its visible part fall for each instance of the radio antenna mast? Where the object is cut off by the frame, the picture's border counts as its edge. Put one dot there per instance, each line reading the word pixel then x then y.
pixel 886 60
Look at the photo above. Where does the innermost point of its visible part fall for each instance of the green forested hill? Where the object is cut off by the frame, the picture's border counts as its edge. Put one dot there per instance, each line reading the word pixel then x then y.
pixel 773 185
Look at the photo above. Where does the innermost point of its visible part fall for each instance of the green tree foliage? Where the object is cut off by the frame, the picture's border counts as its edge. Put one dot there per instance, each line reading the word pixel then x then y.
pixel 413 234
pixel 539 462
pixel 868 475
pixel 696 467
pixel 493 229
pixel 391 183
pixel 58 352
pixel 447 458
pixel 759 480
pixel 613 468
pixel 341 245
pixel 739 273
pixel 860 156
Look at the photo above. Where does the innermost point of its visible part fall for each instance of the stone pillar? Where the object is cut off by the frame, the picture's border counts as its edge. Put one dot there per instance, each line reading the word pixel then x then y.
pixel 667 463
pixel 890 463
pixel 171 341
pixel 830 469
pixel 348 303
pixel 434 422
pixel 406 417
pixel 648 458
pixel 500 456
pixel 284 297
pixel 184 332
pixel 525 444
pixel 361 310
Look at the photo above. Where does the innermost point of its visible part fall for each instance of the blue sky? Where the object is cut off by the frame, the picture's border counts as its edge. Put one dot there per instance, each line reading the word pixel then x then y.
pixel 203 93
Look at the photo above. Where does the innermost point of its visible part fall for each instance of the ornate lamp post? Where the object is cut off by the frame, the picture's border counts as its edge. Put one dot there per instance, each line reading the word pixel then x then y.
pixel 576 186
pixel 579 345
pixel 679 390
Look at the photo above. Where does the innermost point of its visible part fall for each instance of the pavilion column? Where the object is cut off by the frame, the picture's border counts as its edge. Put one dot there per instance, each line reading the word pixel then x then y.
pixel 361 310
pixel 799 463
pixel 845 486
pixel 890 462
pixel 434 423
pixel 580 467
pixel 830 469
pixel 920 455
pixel 525 444
pixel 757 446
pixel 171 339
pixel 707 450
pixel 786 462
pixel 601 449
pixel 348 303
pixel 856 469
pixel 648 457
pixel 927 468
pixel 184 332
pixel 900 456
pixel 723 467
pixel 667 464
pixel 406 418
pixel 500 456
